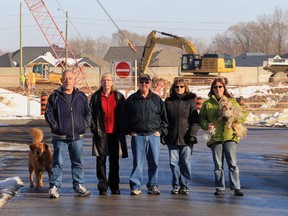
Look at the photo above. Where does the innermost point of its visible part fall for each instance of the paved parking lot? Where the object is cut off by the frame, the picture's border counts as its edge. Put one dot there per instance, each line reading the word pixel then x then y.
pixel 263 176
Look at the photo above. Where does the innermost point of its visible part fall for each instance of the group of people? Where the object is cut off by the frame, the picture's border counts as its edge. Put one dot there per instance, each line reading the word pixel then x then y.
pixel 149 121
pixel 28 81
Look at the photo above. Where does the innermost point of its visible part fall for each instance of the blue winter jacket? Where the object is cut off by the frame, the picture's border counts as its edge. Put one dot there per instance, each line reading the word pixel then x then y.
pixel 68 121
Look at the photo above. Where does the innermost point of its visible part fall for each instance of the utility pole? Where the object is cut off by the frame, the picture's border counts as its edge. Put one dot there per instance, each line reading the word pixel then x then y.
pixel 66 38
pixel 21 53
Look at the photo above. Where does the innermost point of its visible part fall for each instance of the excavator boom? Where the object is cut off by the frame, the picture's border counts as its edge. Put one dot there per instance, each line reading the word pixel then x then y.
pixel 192 61
pixel 172 40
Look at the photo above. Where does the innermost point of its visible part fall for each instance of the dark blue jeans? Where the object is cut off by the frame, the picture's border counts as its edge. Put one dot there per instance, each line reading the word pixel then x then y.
pixel 180 164
pixel 142 146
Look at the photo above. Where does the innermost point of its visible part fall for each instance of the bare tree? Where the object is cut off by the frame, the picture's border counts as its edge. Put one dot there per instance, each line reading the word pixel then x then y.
pixel 120 38
pixel 224 44
pixel 268 35
pixel 102 44
pixel 264 35
pixel 280 22
pixel 89 46
pixel 199 44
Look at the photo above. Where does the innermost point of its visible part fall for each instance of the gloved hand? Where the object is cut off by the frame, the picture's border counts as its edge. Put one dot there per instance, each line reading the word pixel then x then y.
pixel 190 140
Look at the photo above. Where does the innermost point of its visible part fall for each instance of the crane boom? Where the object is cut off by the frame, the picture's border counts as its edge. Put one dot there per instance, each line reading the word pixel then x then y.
pixel 55 38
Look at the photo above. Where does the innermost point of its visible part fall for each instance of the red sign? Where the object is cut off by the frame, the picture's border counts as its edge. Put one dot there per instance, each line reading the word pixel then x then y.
pixel 122 70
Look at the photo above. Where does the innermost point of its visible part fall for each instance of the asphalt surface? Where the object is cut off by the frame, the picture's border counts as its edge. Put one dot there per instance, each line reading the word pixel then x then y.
pixel 263 174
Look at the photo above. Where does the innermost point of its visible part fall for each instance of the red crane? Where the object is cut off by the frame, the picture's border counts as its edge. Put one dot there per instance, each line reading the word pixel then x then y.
pixel 55 38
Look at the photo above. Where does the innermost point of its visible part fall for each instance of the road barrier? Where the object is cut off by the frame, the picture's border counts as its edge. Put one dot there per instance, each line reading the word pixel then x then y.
pixel 199 102
pixel 44 100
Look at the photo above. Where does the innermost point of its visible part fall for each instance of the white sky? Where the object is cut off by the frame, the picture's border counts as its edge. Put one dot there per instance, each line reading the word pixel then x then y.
pixel 200 19
pixel 15 106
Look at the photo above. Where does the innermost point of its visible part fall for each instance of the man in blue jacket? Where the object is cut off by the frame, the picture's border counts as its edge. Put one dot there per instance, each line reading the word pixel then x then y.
pixel 146 118
pixel 68 115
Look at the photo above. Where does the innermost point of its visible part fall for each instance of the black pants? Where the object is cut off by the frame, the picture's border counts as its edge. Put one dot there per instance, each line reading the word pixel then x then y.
pixel 113 179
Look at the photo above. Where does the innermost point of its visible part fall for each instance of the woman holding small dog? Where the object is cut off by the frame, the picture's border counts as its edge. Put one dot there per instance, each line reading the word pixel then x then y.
pixel 223 142
pixel 183 121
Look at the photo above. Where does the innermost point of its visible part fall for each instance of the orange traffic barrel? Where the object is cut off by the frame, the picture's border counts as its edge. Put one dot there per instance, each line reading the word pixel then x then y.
pixel 199 102
pixel 240 100
pixel 44 100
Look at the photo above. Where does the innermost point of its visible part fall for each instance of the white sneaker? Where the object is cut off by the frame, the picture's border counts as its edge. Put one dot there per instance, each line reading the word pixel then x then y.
pixel 54 192
pixel 135 192
pixel 81 191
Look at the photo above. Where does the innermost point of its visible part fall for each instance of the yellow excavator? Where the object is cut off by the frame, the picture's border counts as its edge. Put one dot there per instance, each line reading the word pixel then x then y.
pixel 191 62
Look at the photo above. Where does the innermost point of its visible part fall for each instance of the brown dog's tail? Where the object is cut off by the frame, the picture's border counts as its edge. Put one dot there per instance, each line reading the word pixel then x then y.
pixel 37 135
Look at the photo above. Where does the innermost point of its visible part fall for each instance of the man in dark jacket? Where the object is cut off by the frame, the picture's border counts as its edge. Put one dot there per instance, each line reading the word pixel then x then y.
pixel 146 118
pixel 108 139
pixel 68 116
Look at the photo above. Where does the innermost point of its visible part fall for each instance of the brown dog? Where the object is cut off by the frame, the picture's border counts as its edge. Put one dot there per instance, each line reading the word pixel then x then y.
pixel 229 113
pixel 40 158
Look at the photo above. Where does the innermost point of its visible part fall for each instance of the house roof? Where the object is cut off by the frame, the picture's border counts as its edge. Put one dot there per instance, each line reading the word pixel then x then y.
pixel 6 60
pixel 165 58
pixel 161 58
pixel 252 59
pixel 32 54
pixel 123 53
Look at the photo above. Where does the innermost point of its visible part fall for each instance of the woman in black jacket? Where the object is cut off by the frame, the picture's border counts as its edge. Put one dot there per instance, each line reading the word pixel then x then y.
pixel 183 121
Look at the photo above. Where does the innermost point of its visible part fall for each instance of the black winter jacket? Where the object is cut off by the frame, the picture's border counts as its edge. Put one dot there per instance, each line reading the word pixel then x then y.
pixel 145 116
pixel 183 119
pixel 100 146
pixel 68 121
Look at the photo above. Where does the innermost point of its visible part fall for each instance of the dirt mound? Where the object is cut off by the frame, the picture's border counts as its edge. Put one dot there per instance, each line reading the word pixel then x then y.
pixel 276 97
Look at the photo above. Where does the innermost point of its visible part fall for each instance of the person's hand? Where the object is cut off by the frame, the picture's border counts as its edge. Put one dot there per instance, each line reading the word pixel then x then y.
pixel 133 134
pixel 211 126
pixel 157 133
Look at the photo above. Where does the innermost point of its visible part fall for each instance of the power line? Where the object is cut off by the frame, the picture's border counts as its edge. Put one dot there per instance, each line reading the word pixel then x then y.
pixel 132 47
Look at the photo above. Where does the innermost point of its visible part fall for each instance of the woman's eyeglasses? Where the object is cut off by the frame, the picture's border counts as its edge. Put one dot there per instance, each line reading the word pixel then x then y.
pixel 216 87
pixel 178 87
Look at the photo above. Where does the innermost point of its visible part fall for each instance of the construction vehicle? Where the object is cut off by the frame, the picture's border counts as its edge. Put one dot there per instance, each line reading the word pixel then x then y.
pixel 191 62
pixel 43 73
pixel 278 67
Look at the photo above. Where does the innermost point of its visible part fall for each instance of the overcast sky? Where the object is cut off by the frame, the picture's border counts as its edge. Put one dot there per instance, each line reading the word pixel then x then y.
pixel 200 19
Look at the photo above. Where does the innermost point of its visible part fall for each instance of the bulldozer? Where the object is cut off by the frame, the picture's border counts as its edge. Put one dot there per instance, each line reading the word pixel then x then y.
pixel 278 67
pixel 193 65
pixel 44 74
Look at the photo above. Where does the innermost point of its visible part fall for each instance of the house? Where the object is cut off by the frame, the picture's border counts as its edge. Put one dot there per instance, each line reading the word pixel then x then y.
pixel 10 62
pixel 252 60
pixel 165 63
pixel 249 69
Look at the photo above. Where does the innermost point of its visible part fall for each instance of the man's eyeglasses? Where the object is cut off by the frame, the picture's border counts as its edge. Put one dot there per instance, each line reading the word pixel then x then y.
pixel 216 87
pixel 146 82
pixel 178 87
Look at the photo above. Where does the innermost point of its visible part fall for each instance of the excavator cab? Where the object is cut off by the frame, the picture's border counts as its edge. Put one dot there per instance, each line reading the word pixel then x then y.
pixel 191 62
pixel 208 63
pixel 42 69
